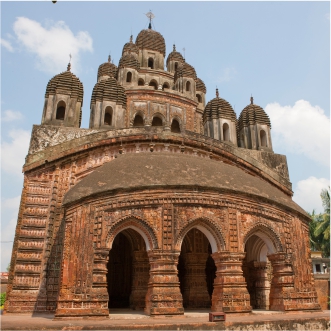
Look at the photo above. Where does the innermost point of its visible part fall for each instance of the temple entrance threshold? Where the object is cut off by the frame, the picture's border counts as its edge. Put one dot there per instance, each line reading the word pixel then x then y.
pixel 128 272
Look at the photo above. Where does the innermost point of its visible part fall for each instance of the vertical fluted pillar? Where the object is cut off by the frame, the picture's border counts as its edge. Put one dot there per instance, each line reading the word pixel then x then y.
pixel 262 285
pixel 139 280
pixel 282 281
pixel 230 293
pixel 195 294
pixel 163 295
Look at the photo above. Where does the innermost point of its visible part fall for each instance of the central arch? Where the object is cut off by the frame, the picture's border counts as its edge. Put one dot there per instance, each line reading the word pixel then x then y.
pixel 196 270
pixel 213 234
pixel 196 267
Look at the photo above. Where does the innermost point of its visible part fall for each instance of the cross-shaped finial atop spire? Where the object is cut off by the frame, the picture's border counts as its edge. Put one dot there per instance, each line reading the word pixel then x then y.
pixel 150 15
pixel 217 94
pixel 251 100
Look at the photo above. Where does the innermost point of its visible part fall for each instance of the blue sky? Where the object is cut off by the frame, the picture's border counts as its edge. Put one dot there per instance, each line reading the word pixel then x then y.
pixel 277 51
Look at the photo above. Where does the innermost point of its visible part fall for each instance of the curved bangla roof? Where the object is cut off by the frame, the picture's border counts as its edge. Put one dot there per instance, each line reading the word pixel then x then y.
pixel 219 108
pixel 129 61
pixel 107 69
pixel 152 40
pixel 65 83
pixel 155 170
pixel 175 56
pixel 185 70
pixel 252 114
pixel 109 89
pixel 200 86
pixel 130 47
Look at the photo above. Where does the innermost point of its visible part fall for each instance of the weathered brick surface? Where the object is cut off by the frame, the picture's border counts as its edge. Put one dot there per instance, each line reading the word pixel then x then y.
pixel 65 250
pixel 322 285
pixel 203 222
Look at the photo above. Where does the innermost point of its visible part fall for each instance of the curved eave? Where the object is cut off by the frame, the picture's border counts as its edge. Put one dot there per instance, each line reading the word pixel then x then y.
pixel 141 171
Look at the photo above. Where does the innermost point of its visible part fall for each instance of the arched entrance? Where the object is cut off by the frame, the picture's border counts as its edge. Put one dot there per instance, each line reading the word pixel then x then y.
pixel 128 271
pixel 257 270
pixel 196 270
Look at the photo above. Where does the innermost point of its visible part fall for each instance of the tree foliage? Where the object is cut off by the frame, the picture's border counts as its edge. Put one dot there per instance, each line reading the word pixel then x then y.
pixel 319 228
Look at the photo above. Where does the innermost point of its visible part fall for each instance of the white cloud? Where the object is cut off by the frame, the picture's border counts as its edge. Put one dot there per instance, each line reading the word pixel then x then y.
pixel 11 115
pixel 6 44
pixel 13 153
pixel 52 45
pixel 301 129
pixel 307 193
pixel 227 75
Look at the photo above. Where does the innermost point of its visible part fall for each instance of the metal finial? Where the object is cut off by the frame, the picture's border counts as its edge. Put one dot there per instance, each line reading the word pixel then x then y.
pixel 131 38
pixel 251 100
pixel 109 58
pixel 150 15
pixel 69 64
pixel 174 49
pixel 217 94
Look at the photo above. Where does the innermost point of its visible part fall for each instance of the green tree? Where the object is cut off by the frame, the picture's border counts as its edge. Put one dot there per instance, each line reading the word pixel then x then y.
pixel 320 226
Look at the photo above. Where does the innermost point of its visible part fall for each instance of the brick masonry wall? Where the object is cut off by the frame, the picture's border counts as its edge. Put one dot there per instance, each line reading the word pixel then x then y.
pixel 322 285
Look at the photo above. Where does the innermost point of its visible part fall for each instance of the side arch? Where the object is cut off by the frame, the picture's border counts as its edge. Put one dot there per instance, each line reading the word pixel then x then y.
pixel 268 235
pixel 213 234
pixel 134 223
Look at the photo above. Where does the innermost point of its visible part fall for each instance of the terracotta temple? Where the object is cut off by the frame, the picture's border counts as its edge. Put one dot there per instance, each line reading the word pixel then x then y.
pixel 166 202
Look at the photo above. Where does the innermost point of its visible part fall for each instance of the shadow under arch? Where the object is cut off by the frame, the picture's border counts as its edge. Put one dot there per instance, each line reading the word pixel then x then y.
pixel 134 223
pixel 214 235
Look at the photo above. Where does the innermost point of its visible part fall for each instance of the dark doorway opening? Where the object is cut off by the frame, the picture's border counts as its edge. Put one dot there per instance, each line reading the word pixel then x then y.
pixel 128 271
pixel 119 277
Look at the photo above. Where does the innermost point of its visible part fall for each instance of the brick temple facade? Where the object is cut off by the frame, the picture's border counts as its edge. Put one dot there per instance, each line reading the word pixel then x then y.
pixel 164 203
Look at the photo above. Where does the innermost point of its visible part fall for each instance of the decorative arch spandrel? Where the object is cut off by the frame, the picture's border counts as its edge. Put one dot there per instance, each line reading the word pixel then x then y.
pixel 264 229
pixel 213 225
pixel 136 223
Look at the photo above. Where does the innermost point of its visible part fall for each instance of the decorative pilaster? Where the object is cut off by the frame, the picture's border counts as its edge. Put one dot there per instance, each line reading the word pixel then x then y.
pixel 230 292
pixel 282 283
pixel 139 280
pixel 262 285
pixel 163 295
pixel 195 294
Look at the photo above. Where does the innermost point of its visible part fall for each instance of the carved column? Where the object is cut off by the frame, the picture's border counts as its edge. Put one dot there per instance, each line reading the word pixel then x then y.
pixel 262 285
pixel 282 283
pixel 163 295
pixel 139 280
pixel 195 294
pixel 99 293
pixel 230 292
